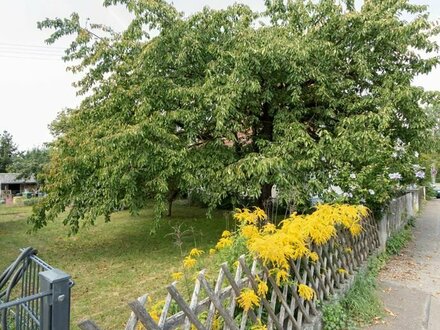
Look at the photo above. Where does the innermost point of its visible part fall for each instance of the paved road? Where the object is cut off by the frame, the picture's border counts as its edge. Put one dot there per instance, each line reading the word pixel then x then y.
pixel 410 283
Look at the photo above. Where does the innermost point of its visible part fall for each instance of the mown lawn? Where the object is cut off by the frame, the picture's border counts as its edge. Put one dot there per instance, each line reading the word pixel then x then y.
pixel 111 263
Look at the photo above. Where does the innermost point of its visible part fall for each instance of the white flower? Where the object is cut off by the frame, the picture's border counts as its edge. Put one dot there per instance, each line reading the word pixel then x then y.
pixel 337 190
pixel 399 145
pixel 371 191
pixel 416 154
pixel 420 174
pixel 352 176
pixel 394 155
pixel 349 195
pixel 395 176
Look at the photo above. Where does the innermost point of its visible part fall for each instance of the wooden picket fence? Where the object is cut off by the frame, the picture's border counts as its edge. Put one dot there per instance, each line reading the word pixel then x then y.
pixel 213 305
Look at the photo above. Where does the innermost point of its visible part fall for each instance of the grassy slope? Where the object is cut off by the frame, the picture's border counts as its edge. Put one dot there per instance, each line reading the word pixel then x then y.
pixel 111 263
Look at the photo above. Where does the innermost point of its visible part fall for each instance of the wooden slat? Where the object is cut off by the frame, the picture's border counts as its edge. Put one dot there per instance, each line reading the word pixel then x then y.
pixel 185 308
pixel 166 307
pixel 217 303
pixel 282 313
pixel 217 288
pixel 279 294
pixel 87 325
pixel 194 300
pixel 236 290
pixel 263 300
pixel 143 316
pixel 133 320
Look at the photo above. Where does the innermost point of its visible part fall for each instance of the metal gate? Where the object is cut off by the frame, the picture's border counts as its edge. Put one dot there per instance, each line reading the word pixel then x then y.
pixel 34 295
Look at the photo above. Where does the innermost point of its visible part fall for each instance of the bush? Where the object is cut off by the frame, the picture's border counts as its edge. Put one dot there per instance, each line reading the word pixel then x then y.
pixel 431 192
pixel 31 201
pixel 399 240
pixel 335 317
pixel 18 200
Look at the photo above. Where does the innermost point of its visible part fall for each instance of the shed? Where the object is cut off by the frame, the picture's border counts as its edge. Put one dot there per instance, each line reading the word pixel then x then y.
pixel 11 184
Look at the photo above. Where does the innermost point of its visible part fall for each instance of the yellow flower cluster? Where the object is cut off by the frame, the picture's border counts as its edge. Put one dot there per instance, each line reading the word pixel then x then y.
pixel 246 216
pixel 262 287
pixel 248 299
pixel 259 326
pixel 196 252
pixel 342 271
pixel 249 231
pixel 189 262
pixel 224 242
pixel 292 240
pixel 156 309
pixel 177 276
pixel 306 292
pixel 226 233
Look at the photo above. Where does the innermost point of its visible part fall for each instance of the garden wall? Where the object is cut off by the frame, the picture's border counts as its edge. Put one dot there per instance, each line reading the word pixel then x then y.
pixel 398 212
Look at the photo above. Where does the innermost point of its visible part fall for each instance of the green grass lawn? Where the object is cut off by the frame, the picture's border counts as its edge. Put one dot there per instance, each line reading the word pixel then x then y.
pixel 111 263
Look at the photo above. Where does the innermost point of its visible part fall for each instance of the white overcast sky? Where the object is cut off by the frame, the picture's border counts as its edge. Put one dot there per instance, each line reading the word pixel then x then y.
pixel 34 85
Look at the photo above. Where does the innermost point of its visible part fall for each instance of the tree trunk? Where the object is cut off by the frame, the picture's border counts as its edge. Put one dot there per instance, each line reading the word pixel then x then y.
pixel 170 206
pixel 265 133
pixel 264 198
pixel 172 194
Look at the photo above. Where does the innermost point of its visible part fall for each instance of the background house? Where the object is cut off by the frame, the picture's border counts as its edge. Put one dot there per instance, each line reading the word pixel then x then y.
pixel 11 185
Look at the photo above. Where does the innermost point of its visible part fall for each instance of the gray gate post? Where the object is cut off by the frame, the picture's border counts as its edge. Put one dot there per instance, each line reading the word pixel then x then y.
pixel 55 309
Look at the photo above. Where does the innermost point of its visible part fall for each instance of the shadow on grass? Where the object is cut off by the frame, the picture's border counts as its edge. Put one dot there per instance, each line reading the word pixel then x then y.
pixel 126 236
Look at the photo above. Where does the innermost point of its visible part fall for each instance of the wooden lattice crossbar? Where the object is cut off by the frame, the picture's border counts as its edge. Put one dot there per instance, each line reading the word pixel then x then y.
pixel 213 305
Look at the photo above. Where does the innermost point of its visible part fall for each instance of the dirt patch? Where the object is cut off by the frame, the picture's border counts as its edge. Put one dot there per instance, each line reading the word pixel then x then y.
pixel 402 267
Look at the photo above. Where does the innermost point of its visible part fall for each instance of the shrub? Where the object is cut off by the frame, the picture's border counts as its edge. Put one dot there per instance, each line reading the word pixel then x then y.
pixel 335 317
pixel 18 200
pixel 31 201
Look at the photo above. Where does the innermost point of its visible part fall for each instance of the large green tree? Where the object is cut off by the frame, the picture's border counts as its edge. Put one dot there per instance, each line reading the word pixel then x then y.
pixel 8 149
pixel 305 96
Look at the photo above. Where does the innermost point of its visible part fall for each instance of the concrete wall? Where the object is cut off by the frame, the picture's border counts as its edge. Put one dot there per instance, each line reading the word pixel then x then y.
pixel 397 214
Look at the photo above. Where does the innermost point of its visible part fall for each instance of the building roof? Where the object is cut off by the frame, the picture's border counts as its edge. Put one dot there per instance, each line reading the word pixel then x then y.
pixel 11 178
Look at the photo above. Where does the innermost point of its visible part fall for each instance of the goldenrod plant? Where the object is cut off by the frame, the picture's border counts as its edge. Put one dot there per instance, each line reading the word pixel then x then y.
pixel 276 245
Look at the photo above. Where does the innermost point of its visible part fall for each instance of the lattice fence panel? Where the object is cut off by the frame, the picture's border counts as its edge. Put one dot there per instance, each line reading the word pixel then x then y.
pixel 213 303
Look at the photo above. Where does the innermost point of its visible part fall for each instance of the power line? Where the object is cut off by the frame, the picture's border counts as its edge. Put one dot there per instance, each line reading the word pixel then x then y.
pixel 51 48
pixel 19 52
pixel 31 52
pixel 30 57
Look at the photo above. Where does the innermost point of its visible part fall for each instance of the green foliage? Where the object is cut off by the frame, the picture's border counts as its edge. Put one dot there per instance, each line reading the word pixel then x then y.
pixel 398 241
pixel 221 104
pixel 335 317
pixel 30 162
pixel 362 301
pixel 361 304
pixel 18 200
pixel 376 263
pixel 31 201
pixel 8 149
pixel 231 253
pixel 431 192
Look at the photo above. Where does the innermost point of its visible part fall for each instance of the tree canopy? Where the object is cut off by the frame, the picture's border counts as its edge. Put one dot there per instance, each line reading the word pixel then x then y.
pixel 307 95
pixel 29 162
pixel 7 151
